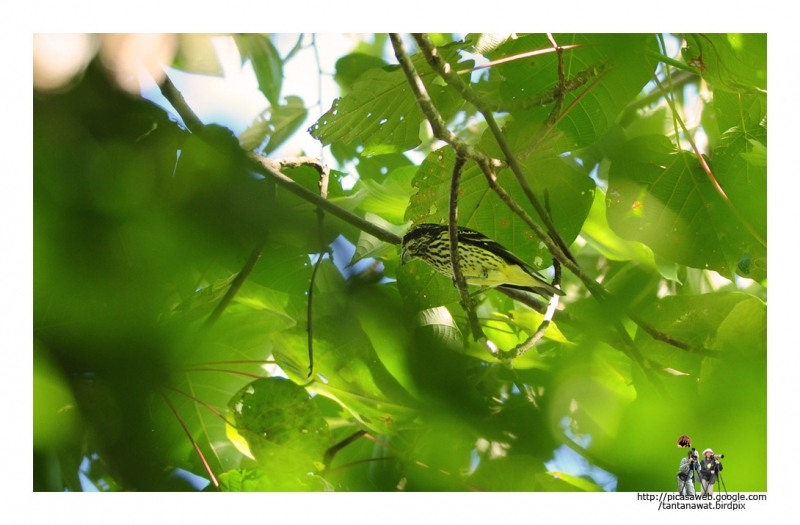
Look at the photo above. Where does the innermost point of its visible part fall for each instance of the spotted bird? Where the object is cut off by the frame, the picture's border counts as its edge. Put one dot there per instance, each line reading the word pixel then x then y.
pixel 483 262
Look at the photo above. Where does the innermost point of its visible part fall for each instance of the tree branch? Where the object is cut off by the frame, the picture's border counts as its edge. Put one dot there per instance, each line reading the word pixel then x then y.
pixel 237 283
pixel 458 278
pixel 271 169
pixel 441 131
pixel 451 77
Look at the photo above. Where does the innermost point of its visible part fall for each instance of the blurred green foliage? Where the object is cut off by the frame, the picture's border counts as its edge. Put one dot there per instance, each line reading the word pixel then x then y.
pixel 141 228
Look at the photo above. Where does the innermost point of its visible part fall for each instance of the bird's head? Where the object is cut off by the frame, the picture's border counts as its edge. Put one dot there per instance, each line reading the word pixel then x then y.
pixel 417 239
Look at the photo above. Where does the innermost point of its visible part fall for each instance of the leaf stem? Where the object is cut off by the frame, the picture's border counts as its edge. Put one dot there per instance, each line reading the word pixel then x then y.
pixel 191 439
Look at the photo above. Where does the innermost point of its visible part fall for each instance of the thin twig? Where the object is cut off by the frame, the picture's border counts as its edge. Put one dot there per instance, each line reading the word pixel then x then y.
pixel 237 283
pixel 191 439
pixel 707 168
pixel 427 107
pixel 656 334
pixel 520 56
pixel 323 193
pixel 458 277
pixel 331 452
pixel 444 69
pixel 200 401
pixel 269 168
pixel 309 315
pixel 175 98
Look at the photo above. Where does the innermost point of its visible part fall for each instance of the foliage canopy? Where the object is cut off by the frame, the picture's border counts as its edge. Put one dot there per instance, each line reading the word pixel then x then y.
pixel 172 273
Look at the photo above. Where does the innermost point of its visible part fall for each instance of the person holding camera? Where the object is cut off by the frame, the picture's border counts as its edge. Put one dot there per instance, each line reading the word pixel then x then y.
pixel 710 467
pixel 687 474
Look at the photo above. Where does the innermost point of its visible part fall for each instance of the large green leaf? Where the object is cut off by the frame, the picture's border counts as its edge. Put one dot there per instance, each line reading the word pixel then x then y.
pixel 256 480
pixel 509 474
pixel 742 174
pixel 389 198
pixel 284 430
pixel 662 197
pixel 729 61
pixel 213 366
pixel 746 110
pixel 274 126
pixel 267 64
pixel 693 319
pixel 422 287
pixel 570 197
pixel 346 366
pixel 589 110
pixel 381 111
pixel 352 66
pixel 596 232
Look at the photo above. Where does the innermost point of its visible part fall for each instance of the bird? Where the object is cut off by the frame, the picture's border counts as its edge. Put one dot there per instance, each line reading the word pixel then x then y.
pixel 483 262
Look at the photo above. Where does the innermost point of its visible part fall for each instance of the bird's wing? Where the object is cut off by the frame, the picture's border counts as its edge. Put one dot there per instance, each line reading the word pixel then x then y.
pixel 478 239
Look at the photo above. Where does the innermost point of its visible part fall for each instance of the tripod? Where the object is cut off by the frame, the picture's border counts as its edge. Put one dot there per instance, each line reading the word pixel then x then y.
pixel 721 481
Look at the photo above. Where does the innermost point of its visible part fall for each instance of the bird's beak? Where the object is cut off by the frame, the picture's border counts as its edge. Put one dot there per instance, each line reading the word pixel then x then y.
pixel 404 256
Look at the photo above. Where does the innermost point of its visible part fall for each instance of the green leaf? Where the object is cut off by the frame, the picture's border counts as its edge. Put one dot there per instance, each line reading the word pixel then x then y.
pixel 196 55
pixel 570 195
pixel 352 66
pixel 375 167
pixel 745 110
pixel 256 480
pixel 578 483
pixel 740 171
pixel 380 111
pixel 518 473
pixel 389 199
pixel 369 246
pixel 346 366
pixel 422 287
pixel 212 369
pixel 693 319
pixel 729 61
pixel 285 275
pixel 662 197
pixel 274 126
pixel 283 428
pixel 597 104
pixel 267 64
pixel 597 233
pixel 442 325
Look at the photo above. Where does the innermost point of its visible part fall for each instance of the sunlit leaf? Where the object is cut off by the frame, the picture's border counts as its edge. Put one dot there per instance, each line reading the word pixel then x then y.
pixel 267 64
pixel 284 430
pixel 662 197
pixel 275 126
pixel 380 111
pixel 730 62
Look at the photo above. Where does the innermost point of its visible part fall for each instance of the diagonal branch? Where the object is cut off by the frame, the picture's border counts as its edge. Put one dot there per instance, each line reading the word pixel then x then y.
pixel 707 168
pixel 237 283
pixel 270 168
pixel 444 69
pixel 191 439
pixel 441 131
pixel 458 277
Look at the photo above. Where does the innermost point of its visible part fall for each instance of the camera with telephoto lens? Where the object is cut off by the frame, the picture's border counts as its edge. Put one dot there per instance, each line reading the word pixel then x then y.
pixel 719 456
